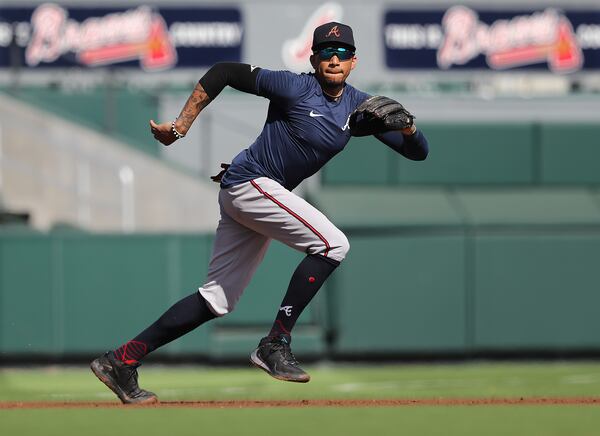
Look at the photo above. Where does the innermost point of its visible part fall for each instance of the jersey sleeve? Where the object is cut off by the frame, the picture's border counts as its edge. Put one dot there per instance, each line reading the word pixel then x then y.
pixel 413 147
pixel 237 75
pixel 283 87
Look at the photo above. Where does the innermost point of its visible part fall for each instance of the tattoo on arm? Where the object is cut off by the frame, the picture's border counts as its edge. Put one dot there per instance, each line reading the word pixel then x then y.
pixel 197 101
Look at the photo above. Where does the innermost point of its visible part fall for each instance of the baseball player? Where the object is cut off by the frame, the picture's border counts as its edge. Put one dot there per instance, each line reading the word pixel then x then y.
pixel 311 118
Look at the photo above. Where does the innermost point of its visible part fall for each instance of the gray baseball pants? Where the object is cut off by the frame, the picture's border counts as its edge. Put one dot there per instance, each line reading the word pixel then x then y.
pixel 252 214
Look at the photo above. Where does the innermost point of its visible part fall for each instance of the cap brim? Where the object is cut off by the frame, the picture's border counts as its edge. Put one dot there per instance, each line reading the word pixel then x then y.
pixel 333 43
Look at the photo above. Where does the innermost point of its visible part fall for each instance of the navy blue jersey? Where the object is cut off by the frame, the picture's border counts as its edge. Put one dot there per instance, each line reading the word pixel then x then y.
pixel 303 130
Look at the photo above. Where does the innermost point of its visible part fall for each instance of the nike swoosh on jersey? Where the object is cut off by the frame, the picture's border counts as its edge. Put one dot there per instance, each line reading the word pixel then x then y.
pixel 314 114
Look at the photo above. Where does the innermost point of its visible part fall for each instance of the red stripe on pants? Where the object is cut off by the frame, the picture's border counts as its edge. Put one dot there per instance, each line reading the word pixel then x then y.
pixel 295 215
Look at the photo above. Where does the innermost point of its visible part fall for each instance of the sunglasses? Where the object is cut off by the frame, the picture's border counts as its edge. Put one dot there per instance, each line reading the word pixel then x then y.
pixel 342 53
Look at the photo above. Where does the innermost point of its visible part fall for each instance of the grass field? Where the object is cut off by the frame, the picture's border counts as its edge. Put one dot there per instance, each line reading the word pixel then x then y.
pixel 453 381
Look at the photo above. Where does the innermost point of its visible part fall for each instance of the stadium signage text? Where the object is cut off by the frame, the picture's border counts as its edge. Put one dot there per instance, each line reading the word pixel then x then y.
pixel 53 36
pixel 463 38
pixel 134 34
pixel 524 39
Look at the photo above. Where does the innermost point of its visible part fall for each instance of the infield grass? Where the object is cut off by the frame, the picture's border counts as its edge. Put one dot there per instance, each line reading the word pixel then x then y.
pixel 500 421
pixel 483 380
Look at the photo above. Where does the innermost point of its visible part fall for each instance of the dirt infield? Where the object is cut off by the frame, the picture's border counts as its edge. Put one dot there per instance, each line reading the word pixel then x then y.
pixel 244 404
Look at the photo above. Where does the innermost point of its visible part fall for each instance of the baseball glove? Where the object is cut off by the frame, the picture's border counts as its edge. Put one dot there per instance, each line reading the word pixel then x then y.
pixel 379 114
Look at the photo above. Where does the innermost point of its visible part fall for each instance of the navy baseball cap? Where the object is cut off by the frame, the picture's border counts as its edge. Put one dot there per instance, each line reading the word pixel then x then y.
pixel 333 33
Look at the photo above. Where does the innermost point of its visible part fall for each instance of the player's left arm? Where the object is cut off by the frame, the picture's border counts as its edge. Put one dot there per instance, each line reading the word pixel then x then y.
pixel 389 122
pixel 410 143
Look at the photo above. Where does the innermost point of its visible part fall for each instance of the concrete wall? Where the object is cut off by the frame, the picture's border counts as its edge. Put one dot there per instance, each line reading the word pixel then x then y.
pixel 61 172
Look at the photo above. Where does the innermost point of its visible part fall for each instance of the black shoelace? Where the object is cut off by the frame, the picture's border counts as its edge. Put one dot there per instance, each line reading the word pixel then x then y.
pixel 286 352
pixel 131 381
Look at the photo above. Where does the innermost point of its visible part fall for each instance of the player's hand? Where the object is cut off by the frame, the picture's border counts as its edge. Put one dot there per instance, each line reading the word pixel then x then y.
pixel 409 130
pixel 218 177
pixel 162 133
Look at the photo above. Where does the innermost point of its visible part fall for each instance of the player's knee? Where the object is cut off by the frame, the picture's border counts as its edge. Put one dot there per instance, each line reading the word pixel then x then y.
pixel 340 246
pixel 345 245
pixel 220 300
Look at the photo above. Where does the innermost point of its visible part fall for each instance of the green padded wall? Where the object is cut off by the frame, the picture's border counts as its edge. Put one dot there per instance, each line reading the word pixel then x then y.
pixel 528 206
pixel 379 207
pixel 413 289
pixel 363 161
pixel 473 154
pixel 537 291
pixel 28 294
pixel 79 293
pixel 93 292
pixel 399 293
pixel 570 153
pixel 459 154
pixel 111 289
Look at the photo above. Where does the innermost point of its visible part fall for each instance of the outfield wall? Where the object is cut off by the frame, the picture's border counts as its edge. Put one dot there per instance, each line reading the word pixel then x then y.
pixel 507 153
pixel 488 245
pixel 433 289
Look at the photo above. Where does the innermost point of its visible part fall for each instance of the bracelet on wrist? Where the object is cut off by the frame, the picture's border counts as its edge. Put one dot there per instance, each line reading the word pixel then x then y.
pixel 174 130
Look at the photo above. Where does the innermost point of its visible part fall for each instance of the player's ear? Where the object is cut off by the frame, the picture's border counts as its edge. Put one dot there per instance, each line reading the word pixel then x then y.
pixel 314 61
pixel 354 60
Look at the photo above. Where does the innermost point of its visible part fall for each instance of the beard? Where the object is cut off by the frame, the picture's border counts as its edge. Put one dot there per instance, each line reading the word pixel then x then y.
pixel 333 82
pixel 329 82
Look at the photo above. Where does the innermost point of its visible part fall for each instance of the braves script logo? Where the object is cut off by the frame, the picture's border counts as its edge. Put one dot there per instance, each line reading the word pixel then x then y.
pixel 296 52
pixel 334 31
pixel 133 34
pixel 525 39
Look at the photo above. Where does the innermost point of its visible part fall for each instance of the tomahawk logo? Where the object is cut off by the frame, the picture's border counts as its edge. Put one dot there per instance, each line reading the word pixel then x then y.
pixel 347 125
pixel 287 310
pixel 334 31
pixel 523 40
pixel 134 34
pixel 296 52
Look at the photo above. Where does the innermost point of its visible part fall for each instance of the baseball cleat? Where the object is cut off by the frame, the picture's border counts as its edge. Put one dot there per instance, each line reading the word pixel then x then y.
pixel 121 378
pixel 275 357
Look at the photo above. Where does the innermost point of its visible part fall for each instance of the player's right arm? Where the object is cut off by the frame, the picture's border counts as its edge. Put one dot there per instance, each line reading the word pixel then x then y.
pixel 239 76
pixel 169 132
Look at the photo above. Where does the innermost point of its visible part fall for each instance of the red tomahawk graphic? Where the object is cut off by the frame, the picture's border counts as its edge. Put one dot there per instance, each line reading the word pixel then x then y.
pixel 155 53
pixel 563 55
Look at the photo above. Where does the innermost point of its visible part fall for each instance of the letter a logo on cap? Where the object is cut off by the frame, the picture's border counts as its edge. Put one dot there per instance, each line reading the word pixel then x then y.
pixel 334 31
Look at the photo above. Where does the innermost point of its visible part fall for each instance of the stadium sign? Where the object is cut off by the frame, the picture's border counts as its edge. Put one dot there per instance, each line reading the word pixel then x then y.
pixel 53 36
pixel 296 51
pixel 462 38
